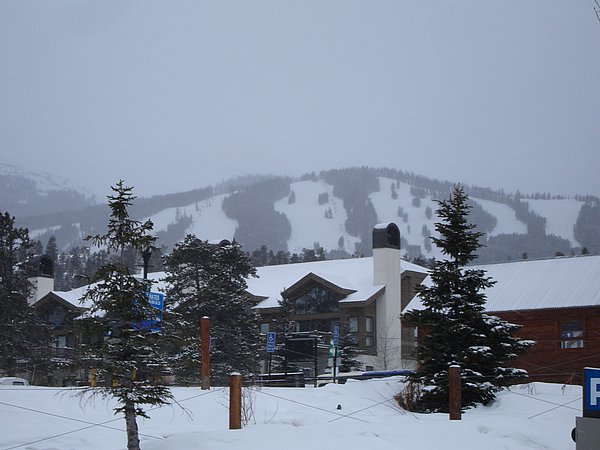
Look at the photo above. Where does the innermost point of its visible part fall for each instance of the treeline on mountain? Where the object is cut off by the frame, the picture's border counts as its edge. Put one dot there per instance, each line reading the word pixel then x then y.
pixel 240 182
pixel 587 227
pixel 483 220
pixel 258 222
pixel 264 257
pixel 510 247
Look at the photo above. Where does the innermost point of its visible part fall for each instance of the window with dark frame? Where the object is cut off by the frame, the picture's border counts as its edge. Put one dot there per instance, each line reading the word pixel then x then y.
pixel 369 340
pixel 353 324
pixel 317 300
pixel 325 325
pixel 368 324
pixel 571 334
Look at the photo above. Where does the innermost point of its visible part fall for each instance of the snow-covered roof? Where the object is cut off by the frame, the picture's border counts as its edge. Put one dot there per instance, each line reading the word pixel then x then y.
pixel 74 295
pixel 540 284
pixel 354 274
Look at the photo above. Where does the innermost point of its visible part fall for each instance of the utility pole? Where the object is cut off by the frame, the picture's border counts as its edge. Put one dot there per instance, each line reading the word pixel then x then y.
pixel 235 401
pixel 455 393
pixel 146 254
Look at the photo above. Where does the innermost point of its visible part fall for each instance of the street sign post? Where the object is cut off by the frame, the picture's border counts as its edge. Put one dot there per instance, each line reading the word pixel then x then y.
pixel 336 340
pixel 271 338
pixel 336 335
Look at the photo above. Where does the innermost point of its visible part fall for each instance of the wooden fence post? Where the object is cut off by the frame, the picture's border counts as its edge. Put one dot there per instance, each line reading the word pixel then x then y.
pixel 205 353
pixel 455 399
pixel 235 401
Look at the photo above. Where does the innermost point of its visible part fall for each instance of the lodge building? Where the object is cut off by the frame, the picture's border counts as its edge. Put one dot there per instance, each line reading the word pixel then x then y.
pixel 556 301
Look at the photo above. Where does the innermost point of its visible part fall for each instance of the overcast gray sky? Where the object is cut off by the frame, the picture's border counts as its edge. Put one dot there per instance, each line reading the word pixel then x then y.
pixel 173 95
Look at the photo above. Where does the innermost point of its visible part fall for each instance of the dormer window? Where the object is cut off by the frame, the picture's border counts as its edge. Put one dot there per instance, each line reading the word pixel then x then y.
pixel 317 300
pixel 56 316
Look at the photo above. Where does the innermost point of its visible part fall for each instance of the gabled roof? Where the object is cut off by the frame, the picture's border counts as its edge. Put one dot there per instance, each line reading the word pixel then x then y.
pixel 540 284
pixel 312 277
pixel 355 274
pixel 73 297
pixel 52 296
pixel 350 276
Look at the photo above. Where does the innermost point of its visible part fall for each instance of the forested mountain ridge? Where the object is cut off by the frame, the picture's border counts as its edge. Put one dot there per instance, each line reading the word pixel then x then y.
pixel 336 210
pixel 22 193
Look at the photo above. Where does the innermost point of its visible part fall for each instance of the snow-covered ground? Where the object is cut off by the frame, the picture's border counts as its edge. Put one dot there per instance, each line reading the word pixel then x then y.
pixel 209 221
pixel 561 216
pixel 309 224
pixel 535 416
pixel 506 217
pixel 387 211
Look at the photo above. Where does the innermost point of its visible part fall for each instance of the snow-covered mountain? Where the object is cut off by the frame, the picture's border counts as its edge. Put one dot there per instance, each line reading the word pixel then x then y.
pixel 26 193
pixel 314 224
pixel 337 209
pixel 44 182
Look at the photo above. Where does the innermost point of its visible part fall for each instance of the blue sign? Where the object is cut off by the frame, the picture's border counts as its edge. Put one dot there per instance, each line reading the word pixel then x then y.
pixel 157 301
pixel 336 335
pixel 271 341
pixel 591 392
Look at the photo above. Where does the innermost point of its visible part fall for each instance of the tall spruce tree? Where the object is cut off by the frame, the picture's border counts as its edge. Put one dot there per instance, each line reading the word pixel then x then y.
pixel 457 330
pixel 210 280
pixel 349 351
pixel 24 348
pixel 119 308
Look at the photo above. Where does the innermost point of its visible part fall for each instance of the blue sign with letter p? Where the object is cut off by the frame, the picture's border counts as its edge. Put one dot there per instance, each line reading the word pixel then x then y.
pixel 591 392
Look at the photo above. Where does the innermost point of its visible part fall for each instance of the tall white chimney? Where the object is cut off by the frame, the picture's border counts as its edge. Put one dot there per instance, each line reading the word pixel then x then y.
pixel 42 279
pixel 386 271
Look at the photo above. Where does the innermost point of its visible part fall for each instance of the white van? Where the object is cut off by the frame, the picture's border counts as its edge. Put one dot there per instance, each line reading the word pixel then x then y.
pixel 13 381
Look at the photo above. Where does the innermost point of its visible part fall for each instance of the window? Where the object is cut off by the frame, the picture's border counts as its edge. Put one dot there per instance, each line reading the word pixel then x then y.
pixel 317 325
pixel 61 341
pixel 368 324
pixel 369 340
pixel 317 300
pixel 56 316
pixel 264 328
pixel 571 334
pixel 353 324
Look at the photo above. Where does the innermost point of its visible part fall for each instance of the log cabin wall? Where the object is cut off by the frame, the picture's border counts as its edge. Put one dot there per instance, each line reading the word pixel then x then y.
pixel 567 340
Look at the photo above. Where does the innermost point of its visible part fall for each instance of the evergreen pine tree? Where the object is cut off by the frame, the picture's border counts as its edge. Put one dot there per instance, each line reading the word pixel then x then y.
pixel 457 329
pixel 119 307
pixel 210 280
pixel 37 247
pixel 52 250
pixel 24 348
pixel 348 351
